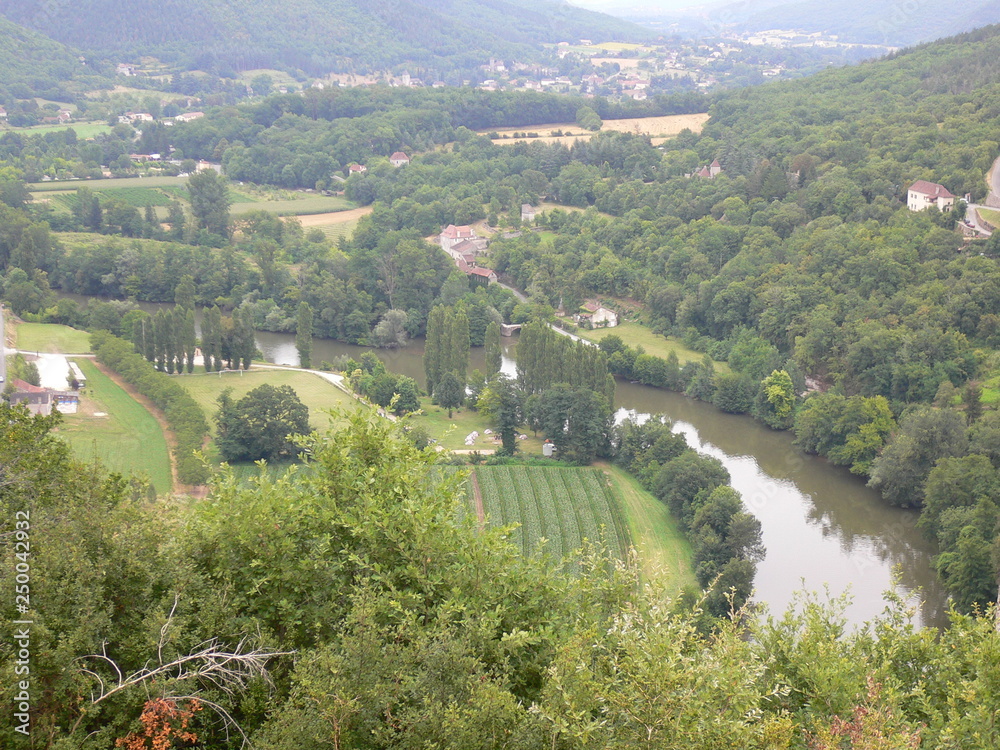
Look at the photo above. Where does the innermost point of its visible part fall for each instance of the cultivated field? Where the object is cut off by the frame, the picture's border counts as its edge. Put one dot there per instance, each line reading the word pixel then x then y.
pixel 295 205
pixel 315 392
pixel 337 224
pixel 99 185
pixel 115 429
pixel 564 506
pixel 51 337
pixel 659 129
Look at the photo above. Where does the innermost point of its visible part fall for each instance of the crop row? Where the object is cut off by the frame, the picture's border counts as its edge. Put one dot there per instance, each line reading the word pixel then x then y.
pixel 563 506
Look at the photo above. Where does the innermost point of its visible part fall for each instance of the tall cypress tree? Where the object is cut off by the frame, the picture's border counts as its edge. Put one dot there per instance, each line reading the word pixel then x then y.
pixel 433 348
pixel 458 345
pixel 494 354
pixel 190 339
pixel 303 334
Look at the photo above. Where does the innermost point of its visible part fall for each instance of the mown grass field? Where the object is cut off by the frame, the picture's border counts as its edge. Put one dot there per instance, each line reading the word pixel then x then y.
pixel 100 185
pixel 51 337
pixel 83 129
pixel 126 438
pixel 658 129
pixel 990 216
pixel 451 433
pixel 664 552
pixel 563 505
pixel 315 392
pixel 298 206
pixel 635 334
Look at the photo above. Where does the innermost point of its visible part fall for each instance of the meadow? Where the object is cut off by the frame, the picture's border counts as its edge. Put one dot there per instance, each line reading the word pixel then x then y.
pixel 113 428
pixel 314 391
pixel 51 337
pixel 636 334
pixel 450 433
pixel 83 130
pixel 561 505
pixel 659 129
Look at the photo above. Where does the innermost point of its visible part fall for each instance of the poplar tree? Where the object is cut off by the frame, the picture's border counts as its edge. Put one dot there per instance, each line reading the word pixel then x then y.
pixel 494 356
pixel 303 334
pixel 432 347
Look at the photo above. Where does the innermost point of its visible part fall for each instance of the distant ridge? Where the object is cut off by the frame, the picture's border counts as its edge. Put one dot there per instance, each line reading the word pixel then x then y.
pixel 316 35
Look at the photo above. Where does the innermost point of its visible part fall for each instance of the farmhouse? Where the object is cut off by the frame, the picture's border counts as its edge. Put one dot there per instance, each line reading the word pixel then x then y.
pixel 923 194
pixel 399 159
pixel 42 400
pixel 189 116
pixel 483 274
pixel 452 235
pixel 527 212
pixel 356 169
pixel 594 315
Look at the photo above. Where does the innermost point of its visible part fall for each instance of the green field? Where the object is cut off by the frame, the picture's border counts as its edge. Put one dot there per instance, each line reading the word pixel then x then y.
pixel 990 216
pixel 664 552
pixel 126 439
pixel 140 197
pixel 83 129
pixel 112 184
pixel 315 392
pixel 635 334
pixel 564 506
pixel 451 433
pixel 310 204
pixel 50 337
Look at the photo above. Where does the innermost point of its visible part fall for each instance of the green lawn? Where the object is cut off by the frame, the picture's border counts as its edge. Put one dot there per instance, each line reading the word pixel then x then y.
pixel 990 216
pixel 112 184
pixel 562 505
pixel 126 439
pixel 664 553
pixel 50 337
pixel 83 129
pixel 635 334
pixel 315 392
pixel 451 433
pixel 309 204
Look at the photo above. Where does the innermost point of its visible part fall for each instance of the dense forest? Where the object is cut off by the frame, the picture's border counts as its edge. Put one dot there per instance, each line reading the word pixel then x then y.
pixel 429 37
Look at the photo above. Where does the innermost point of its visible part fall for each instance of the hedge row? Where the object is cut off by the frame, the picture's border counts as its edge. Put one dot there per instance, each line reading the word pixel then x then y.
pixel 185 417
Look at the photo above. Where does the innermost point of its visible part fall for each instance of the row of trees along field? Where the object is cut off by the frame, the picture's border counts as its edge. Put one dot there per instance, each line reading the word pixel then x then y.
pixel 385 620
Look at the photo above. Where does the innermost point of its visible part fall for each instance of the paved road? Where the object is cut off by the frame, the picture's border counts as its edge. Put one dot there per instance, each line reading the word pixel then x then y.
pixel 972 217
pixel 993 180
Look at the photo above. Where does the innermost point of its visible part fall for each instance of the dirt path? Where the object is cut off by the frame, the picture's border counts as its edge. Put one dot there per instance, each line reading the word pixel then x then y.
pixel 160 420
pixel 335 217
pixel 478 497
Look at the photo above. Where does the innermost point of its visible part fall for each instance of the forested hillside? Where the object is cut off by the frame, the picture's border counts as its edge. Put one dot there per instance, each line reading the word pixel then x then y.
pixel 318 36
pixel 878 22
pixel 33 65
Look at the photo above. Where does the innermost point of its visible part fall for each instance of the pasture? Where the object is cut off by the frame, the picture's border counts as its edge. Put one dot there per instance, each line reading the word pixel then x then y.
pixel 561 505
pixel 451 433
pixel 83 130
pixel 636 334
pixel 116 430
pixel 337 224
pixel 53 338
pixel 314 391
pixel 294 204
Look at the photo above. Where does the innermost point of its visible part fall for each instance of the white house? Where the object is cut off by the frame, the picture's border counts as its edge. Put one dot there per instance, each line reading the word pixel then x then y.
pixel 452 235
pixel 527 212
pixel 399 159
pixel 189 116
pixel 923 194
pixel 596 316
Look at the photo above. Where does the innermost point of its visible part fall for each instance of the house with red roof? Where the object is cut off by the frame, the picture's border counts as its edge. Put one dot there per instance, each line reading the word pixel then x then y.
pixel 453 235
pixel 923 194
pixel 399 159
pixel 483 274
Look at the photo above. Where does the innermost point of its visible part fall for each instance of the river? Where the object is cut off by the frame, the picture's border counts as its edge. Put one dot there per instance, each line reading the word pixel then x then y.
pixel 823 528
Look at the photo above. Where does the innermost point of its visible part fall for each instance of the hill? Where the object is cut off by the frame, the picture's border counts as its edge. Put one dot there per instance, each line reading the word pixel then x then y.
pixel 874 22
pixel 318 35
pixel 33 65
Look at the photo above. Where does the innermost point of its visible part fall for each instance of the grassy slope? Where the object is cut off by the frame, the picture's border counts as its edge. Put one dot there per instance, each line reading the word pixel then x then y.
pixel 50 337
pixel 635 334
pixel 128 439
pixel 664 553
pixel 315 392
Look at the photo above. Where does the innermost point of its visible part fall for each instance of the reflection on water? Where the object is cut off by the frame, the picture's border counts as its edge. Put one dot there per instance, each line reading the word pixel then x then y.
pixel 822 526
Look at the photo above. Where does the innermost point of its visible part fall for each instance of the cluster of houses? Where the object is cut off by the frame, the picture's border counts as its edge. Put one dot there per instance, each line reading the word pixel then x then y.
pixel 466 247
pixel 131 118
pixel 710 172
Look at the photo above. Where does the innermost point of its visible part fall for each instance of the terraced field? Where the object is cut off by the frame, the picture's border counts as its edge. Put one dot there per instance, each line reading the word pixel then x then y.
pixel 563 506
